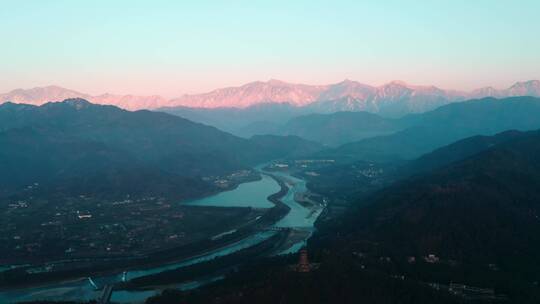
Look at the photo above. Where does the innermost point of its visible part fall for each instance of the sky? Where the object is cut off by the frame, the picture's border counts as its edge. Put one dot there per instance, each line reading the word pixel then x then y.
pixel 172 48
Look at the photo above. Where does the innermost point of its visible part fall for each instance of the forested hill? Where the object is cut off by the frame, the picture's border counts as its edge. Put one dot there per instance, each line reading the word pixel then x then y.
pixel 76 146
pixel 447 124
pixel 480 215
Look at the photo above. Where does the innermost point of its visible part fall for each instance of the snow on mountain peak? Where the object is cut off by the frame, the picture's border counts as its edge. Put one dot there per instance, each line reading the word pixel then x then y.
pixel 353 94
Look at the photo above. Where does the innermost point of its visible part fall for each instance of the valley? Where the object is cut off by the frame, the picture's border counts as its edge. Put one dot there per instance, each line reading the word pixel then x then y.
pixel 144 203
pixel 211 213
pixel 235 226
pixel 270 152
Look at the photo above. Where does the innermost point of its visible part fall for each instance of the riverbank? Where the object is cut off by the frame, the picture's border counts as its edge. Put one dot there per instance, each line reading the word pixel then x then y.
pixel 215 267
pixel 20 279
pixel 223 263
pixel 249 194
pixel 285 215
pixel 96 227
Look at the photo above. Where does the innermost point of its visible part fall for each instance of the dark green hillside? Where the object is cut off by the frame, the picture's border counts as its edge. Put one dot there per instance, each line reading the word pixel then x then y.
pixel 170 142
pixel 480 214
pixel 459 150
pixel 67 166
pixel 75 147
pixel 443 126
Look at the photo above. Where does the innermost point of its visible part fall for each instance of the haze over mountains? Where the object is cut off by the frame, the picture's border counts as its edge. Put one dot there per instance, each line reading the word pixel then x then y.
pixel 336 128
pixel 392 99
pixel 422 133
pixel 442 125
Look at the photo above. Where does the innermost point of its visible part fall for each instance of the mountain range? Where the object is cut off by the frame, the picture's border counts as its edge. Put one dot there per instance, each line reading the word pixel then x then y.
pixel 42 95
pixel 392 99
pixel 472 117
pixel 76 147
pixel 422 133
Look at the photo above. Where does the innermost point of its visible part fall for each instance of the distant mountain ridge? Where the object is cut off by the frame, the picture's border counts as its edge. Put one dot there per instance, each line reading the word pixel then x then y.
pixel 41 95
pixel 431 130
pixel 338 128
pixel 392 99
pixel 355 95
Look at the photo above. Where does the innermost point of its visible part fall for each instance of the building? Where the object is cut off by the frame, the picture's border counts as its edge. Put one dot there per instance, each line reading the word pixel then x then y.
pixel 303 262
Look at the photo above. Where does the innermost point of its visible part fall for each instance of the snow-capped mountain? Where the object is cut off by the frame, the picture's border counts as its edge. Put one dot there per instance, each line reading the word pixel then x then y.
pixel 305 95
pixel 130 102
pixel 526 88
pixel 253 93
pixel 392 99
pixel 41 95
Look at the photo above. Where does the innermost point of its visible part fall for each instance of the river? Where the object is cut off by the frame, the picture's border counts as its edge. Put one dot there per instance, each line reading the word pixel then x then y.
pixel 251 194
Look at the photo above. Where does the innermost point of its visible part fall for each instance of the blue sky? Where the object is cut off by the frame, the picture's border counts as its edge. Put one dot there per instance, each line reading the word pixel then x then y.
pixel 176 47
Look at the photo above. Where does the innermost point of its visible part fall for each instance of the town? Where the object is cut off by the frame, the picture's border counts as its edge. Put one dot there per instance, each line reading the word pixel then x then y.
pixel 72 228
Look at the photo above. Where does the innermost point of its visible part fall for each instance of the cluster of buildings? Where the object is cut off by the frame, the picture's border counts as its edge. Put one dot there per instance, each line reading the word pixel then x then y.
pixel 18 204
pixel 229 180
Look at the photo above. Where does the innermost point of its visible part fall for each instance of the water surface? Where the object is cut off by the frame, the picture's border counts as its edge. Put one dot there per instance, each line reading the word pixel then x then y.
pixel 251 194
